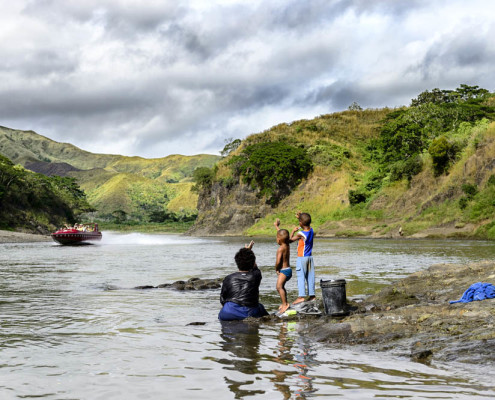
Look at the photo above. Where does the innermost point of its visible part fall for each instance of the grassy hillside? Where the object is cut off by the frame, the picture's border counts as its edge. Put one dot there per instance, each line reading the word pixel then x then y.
pixel 132 186
pixel 428 170
pixel 27 146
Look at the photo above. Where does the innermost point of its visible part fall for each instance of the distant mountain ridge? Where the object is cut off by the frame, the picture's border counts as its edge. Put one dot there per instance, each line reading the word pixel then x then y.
pixel 135 185
pixel 51 169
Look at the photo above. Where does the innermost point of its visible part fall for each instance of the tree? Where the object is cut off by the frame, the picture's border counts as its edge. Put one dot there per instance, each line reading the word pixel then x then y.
pixel 274 168
pixel 439 151
pixel 9 175
pixel 355 107
pixel 231 144
pixel 462 93
pixel 202 177
pixel 409 131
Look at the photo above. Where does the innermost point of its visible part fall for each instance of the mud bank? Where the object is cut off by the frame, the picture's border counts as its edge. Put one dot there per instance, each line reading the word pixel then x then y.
pixel 413 318
pixel 21 237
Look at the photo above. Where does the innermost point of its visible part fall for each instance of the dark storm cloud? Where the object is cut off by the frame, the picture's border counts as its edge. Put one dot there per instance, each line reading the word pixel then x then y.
pixel 341 95
pixel 122 18
pixel 458 51
pixel 66 100
pixel 39 63
pixel 307 15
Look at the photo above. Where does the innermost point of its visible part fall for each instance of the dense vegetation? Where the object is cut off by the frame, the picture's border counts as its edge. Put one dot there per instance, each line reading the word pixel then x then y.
pixel 35 201
pixel 372 171
pixel 438 123
pixel 273 168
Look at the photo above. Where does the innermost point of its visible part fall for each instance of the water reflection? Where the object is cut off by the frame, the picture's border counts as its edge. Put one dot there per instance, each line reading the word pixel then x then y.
pixel 306 361
pixel 241 340
pixel 297 352
pixel 290 367
pixel 281 377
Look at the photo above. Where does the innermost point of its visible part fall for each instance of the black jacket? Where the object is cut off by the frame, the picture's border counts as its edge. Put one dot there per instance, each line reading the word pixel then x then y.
pixel 242 288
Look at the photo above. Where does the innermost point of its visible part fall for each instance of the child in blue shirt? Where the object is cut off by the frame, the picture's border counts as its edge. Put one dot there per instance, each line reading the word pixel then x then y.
pixel 305 268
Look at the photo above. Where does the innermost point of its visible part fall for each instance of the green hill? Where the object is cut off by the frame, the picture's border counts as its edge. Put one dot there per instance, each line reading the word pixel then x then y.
pixel 426 170
pixel 134 186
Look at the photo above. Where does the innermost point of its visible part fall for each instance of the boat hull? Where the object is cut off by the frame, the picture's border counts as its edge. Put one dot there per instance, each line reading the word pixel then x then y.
pixel 70 237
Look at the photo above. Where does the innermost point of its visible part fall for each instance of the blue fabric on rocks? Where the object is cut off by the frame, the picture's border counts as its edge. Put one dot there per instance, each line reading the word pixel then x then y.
pixel 477 291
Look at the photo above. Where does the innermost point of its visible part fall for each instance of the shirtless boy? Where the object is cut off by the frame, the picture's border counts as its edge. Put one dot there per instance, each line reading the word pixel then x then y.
pixel 282 265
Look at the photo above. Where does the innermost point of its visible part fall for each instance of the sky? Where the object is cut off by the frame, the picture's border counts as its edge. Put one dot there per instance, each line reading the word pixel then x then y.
pixel 151 78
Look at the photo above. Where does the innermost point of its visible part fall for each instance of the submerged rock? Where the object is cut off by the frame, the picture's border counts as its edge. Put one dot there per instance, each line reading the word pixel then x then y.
pixel 190 284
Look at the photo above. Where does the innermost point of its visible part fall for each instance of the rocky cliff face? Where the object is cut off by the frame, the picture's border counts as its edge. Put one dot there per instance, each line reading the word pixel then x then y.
pixel 228 211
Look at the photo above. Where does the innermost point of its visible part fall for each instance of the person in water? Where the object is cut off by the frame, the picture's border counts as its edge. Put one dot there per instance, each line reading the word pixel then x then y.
pixel 239 295
pixel 282 265
pixel 305 268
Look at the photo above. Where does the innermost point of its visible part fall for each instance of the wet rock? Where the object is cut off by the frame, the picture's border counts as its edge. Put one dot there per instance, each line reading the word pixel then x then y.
pixel 423 356
pixel 191 284
pixel 413 317
pixel 331 332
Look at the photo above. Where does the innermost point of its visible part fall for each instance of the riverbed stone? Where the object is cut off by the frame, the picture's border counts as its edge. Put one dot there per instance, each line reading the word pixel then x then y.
pixel 191 284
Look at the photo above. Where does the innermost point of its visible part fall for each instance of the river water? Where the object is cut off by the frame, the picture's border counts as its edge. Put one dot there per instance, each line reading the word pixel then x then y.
pixel 65 335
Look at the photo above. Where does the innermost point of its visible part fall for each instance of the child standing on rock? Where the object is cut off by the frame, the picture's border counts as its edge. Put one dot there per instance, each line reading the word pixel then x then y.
pixel 282 265
pixel 305 268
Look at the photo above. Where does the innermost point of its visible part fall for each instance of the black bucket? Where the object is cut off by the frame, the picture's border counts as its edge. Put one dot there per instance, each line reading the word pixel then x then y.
pixel 334 297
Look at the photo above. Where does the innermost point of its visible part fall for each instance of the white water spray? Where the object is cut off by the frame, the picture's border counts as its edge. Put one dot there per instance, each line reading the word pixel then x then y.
pixel 114 238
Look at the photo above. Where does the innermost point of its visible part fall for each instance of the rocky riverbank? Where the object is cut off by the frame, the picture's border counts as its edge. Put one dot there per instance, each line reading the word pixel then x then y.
pixel 413 318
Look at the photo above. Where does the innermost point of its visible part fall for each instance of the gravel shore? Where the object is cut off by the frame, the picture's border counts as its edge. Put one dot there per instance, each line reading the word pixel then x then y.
pixel 21 237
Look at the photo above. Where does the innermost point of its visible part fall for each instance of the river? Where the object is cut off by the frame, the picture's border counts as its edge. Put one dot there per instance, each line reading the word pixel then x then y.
pixel 72 327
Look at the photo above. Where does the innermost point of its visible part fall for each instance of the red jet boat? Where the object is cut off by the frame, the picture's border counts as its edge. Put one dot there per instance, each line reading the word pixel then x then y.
pixel 79 234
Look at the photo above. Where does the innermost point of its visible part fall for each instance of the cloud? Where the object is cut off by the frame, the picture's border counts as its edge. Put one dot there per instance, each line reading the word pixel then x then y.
pixel 157 78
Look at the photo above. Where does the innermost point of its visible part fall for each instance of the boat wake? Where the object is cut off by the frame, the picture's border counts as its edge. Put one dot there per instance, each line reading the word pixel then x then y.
pixel 114 238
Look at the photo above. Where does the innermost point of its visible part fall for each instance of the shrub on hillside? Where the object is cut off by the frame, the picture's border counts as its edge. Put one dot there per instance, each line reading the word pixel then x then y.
pixel 161 216
pixel 203 178
pixel 273 168
pixel 357 196
pixel 470 190
pixel 406 169
pixel 441 152
pixel 328 154
pixel 463 202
